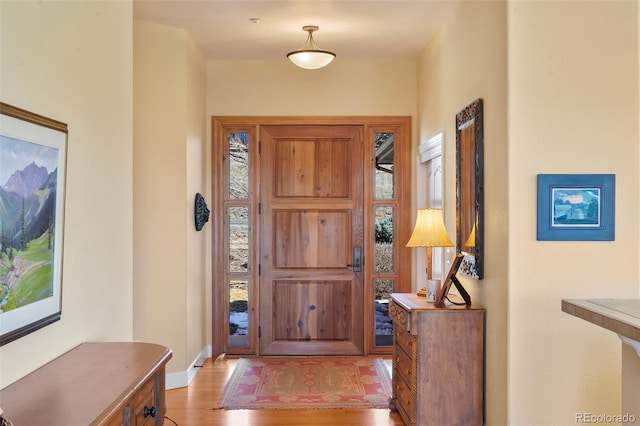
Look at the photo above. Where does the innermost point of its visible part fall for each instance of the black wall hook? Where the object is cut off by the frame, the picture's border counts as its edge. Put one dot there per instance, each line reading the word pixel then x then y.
pixel 201 212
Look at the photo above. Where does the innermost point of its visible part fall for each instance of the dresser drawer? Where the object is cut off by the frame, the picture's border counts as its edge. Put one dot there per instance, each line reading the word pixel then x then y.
pixel 399 315
pixel 404 340
pixel 404 364
pixel 405 403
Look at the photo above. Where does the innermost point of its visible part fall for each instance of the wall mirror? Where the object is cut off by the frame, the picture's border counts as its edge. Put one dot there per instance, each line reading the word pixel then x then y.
pixel 469 189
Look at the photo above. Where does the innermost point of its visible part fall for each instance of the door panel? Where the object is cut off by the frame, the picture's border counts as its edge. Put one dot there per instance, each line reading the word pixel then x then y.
pixel 310 168
pixel 306 310
pixel 311 197
pixel 311 239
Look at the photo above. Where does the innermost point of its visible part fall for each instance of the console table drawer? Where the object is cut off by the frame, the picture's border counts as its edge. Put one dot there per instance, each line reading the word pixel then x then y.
pixel 118 418
pixel 145 402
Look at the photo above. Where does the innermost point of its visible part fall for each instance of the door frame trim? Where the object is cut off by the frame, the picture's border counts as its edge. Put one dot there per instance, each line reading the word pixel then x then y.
pixel 371 124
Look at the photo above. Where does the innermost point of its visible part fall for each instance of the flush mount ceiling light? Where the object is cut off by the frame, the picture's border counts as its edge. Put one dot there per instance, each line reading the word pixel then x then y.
pixel 309 56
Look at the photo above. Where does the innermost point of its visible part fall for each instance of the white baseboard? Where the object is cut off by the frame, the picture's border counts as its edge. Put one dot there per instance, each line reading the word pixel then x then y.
pixel 182 379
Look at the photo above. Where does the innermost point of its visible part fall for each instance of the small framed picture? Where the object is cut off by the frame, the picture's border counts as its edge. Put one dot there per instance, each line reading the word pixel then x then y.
pixel 576 207
pixel 449 281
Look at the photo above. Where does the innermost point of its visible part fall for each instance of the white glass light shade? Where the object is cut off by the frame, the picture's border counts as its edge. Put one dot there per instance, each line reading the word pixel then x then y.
pixel 309 56
pixel 311 59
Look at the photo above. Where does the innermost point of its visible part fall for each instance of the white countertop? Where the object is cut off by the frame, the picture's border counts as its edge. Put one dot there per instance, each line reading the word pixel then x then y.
pixel 622 316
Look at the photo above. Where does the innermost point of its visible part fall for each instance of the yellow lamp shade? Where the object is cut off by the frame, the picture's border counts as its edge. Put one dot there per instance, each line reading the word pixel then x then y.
pixel 429 230
pixel 471 241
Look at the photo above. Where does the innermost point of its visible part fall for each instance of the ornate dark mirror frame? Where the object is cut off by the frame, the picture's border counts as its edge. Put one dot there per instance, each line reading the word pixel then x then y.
pixel 469 189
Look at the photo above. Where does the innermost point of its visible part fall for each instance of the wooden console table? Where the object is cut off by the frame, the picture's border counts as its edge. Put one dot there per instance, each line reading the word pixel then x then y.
pixel 92 384
pixel 438 362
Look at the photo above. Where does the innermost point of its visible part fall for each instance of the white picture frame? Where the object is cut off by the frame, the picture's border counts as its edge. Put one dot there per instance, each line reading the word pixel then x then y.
pixel 33 152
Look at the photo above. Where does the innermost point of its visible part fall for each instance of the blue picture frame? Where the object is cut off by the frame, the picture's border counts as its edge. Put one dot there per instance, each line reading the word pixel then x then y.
pixel 576 207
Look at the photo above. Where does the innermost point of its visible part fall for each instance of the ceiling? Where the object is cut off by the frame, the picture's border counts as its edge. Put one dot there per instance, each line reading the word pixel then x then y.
pixel 354 30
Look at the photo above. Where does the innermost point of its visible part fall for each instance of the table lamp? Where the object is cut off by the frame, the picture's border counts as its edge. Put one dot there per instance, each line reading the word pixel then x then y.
pixel 430 232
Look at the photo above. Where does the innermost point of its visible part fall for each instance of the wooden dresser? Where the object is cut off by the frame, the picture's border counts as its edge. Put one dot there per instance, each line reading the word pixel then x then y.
pixel 438 362
pixel 93 384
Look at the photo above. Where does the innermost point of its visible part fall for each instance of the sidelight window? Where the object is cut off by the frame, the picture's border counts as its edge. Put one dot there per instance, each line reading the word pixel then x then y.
pixel 385 251
pixel 237 241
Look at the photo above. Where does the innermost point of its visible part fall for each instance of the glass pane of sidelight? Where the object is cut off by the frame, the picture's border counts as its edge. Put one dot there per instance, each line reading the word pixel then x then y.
pixel 238 165
pixel 384 165
pixel 384 246
pixel 238 239
pixel 384 326
pixel 238 314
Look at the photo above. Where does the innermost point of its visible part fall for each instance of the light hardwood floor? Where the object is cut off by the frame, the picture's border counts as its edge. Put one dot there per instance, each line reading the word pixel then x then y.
pixel 198 405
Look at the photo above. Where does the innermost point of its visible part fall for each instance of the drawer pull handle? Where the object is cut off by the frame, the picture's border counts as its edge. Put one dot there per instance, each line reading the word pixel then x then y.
pixel 149 411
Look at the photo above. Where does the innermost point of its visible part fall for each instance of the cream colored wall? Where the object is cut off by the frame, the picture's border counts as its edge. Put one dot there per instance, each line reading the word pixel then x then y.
pixel 71 61
pixel 198 330
pixel 465 61
pixel 280 88
pixel 573 108
pixel 169 255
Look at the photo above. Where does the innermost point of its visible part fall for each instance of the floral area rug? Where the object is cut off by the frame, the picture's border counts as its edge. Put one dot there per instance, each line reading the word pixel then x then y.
pixel 307 382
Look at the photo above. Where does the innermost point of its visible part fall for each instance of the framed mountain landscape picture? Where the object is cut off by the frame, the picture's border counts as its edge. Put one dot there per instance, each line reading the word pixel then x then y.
pixel 32 181
pixel 576 207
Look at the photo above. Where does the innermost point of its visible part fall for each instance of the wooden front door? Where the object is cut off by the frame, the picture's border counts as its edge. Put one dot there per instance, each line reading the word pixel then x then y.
pixel 311 297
